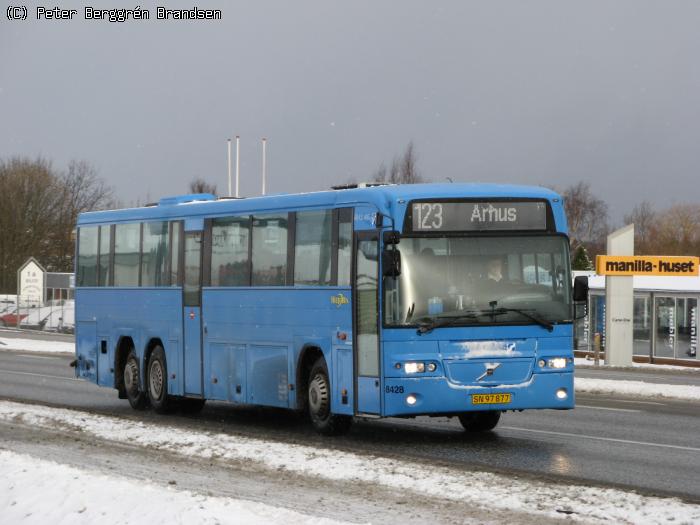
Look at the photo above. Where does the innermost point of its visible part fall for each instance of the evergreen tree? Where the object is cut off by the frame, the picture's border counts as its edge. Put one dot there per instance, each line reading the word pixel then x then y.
pixel 581 260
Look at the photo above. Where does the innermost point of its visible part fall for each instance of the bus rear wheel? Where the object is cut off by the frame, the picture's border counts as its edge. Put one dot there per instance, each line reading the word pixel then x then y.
pixel 319 403
pixel 479 421
pixel 132 383
pixel 158 381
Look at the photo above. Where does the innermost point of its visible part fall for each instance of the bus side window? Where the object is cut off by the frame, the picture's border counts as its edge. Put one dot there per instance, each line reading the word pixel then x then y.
pixel 270 250
pixel 345 216
pixel 154 252
pixel 312 249
pixel 127 241
pixel 87 256
pixel 175 233
pixel 230 240
pixel 105 249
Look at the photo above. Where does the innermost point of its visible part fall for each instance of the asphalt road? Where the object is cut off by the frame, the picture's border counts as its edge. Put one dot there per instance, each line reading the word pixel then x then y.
pixel 652 446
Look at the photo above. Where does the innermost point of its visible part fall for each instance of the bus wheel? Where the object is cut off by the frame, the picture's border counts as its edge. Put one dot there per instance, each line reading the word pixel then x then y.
pixel 479 421
pixel 132 383
pixel 158 381
pixel 320 403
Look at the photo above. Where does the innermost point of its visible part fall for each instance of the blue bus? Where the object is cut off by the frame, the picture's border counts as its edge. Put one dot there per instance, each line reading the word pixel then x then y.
pixel 372 301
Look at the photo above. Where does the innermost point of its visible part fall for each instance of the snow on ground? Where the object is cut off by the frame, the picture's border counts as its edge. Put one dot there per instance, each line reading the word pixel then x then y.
pixel 39 491
pixel 33 345
pixel 481 489
pixel 636 388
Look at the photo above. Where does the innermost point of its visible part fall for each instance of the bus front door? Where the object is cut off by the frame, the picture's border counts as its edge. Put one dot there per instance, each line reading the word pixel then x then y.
pixel 366 293
pixel 192 302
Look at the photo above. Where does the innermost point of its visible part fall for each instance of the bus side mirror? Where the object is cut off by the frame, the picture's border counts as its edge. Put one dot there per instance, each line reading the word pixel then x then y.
pixel 580 289
pixel 391 237
pixel 391 263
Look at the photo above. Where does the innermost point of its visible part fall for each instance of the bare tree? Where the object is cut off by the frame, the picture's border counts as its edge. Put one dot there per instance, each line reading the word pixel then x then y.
pixel 587 216
pixel 79 189
pixel 38 211
pixel 409 171
pixel 403 169
pixel 199 185
pixel 643 217
pixel 677 231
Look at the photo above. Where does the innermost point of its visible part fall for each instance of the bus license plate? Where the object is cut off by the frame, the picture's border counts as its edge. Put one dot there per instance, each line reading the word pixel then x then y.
pixel 490 399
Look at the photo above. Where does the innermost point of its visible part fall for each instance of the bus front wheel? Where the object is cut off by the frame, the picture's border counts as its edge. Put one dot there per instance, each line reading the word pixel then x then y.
pixel 479 421
pixel 319 403
pixel 158 381
pixel 132 383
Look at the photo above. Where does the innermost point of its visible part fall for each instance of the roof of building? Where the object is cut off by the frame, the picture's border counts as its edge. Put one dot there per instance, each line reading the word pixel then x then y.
pixel 650 283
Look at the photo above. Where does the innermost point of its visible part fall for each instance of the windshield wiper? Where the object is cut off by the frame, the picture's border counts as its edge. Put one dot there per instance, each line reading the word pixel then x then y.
pixel 533 317
pixel 428 324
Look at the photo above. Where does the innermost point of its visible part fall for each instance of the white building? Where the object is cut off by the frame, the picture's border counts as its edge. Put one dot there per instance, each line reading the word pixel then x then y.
pixel 665 318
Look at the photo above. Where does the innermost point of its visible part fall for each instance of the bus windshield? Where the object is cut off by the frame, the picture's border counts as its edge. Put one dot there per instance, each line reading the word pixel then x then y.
pixel 472 280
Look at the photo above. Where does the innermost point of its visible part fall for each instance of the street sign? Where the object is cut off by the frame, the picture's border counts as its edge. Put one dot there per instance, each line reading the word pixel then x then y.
pixel 647 265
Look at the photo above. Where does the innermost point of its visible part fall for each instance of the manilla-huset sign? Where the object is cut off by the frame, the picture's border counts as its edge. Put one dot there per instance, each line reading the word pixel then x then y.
pixel 647 265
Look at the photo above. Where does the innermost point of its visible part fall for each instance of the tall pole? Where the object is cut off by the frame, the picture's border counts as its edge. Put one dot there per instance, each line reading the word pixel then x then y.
pixel 264 155
pixel 238 162
pixel 229 167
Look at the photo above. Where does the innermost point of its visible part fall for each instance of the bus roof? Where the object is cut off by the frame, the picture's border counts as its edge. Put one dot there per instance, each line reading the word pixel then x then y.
pixel 388 199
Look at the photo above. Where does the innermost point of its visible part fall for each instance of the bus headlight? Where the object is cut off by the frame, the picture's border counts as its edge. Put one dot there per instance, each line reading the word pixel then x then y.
pixel 414 368
pixel 557 362
pixel 562 394
pixel 411 399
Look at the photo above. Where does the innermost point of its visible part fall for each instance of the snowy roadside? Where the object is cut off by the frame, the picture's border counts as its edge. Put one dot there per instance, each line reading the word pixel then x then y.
pixel 39 491
pixel 33 345
pixel 636 388
pixel 591 504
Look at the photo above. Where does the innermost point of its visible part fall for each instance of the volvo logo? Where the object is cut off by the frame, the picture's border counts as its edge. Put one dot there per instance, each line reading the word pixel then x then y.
pixel 490 368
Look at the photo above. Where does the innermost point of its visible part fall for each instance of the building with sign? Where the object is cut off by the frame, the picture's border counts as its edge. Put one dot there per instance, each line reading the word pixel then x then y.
pixel 37 286
pixel 32 290
pixel 665 318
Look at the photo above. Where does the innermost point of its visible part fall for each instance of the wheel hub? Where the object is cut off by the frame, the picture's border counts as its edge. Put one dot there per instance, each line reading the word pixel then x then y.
pixel 130 375
pixel 155 379
pixel 319 397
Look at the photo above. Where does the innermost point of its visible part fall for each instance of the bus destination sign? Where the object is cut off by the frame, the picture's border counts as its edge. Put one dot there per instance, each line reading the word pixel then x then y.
pixel 479 216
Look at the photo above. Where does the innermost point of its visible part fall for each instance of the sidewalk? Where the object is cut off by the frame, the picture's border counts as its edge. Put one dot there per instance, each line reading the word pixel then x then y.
pixel 638 380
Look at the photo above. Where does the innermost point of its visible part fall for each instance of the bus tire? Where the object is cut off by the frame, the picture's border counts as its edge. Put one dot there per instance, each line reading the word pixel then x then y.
pixel 138 399
pixel 158 381
pixel 319 403
pixel 479 421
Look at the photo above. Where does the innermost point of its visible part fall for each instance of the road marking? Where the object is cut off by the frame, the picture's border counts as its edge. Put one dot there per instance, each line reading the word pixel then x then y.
pixel 614 440
pixel 608 408
pixel 38 356
pixel 38 375
pixel 621 400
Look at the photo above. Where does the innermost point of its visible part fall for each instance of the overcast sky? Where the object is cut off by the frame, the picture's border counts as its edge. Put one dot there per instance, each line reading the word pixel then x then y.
pixel 524 92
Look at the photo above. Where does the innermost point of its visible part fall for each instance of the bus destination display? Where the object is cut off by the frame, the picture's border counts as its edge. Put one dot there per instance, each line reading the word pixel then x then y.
pixel 478 216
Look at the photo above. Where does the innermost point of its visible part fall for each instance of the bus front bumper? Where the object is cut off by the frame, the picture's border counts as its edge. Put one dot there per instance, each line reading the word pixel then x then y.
pixel 436 395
